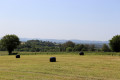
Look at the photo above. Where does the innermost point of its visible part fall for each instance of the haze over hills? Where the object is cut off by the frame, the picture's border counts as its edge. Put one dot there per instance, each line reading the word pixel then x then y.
pixel 63 41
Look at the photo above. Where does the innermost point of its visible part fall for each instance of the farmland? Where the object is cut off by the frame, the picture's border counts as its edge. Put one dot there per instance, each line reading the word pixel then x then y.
pixel 67 67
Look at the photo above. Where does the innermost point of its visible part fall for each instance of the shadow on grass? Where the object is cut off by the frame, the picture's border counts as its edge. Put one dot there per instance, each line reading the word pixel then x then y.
pixel 13 54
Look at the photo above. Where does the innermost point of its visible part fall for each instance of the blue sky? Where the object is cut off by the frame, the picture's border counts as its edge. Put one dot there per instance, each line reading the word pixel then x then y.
pixel 60 19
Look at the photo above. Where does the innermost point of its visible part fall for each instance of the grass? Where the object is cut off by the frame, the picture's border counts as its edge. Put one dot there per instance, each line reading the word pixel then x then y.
pixel 3 53
pixel 67 67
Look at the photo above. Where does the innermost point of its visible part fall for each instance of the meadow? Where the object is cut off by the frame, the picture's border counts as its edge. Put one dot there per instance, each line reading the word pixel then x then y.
pixel 67 67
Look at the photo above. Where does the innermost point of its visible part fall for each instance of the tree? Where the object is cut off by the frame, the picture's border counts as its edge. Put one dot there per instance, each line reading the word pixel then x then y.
pixel 115 43
pixel 105 48
pixel 78 47
pixel 69 49
pixel 92 47
pixel 85 48
pixel 10 42
pixel 69 44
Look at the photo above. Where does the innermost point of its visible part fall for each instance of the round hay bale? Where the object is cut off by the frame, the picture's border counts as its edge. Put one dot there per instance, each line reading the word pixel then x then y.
pixel 17 56
pixel 52 59
pixel 81 53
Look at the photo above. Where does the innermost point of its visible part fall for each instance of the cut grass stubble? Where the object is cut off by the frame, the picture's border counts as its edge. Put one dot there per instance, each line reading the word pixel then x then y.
pixel 67 67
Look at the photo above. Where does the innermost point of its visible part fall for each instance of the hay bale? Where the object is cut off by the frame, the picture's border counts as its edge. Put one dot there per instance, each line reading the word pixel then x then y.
pixel 52 59
pixel 81 53
pixel 17 56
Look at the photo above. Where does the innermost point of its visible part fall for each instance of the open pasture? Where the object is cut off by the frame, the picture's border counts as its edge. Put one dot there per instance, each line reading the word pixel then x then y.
pixel 67 67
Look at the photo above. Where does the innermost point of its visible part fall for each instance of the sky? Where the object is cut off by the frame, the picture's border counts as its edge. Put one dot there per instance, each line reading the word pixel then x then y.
pixel 60 19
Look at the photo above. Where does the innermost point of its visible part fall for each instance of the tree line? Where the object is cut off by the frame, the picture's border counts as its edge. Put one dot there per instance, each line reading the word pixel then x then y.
pixel 12 42
pixel 46 46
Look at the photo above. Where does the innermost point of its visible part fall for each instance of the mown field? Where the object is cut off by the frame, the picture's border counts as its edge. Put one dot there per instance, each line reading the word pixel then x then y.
pixel 3 53
pixel 67 67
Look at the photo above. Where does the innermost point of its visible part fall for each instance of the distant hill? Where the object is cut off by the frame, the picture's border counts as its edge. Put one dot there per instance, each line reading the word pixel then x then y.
pixel 63 41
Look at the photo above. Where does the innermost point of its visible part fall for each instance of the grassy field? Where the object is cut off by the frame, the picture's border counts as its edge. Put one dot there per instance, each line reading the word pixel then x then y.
pixel 67 67
pixel 3 53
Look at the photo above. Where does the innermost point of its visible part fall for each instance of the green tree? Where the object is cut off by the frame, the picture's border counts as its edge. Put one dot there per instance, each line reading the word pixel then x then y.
pixel 92 47
pixel 10 42
pixel 69 49
pixel 85 48
pixel 78 47
pixel 105 48
pixel 69 44
pixel 115 43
